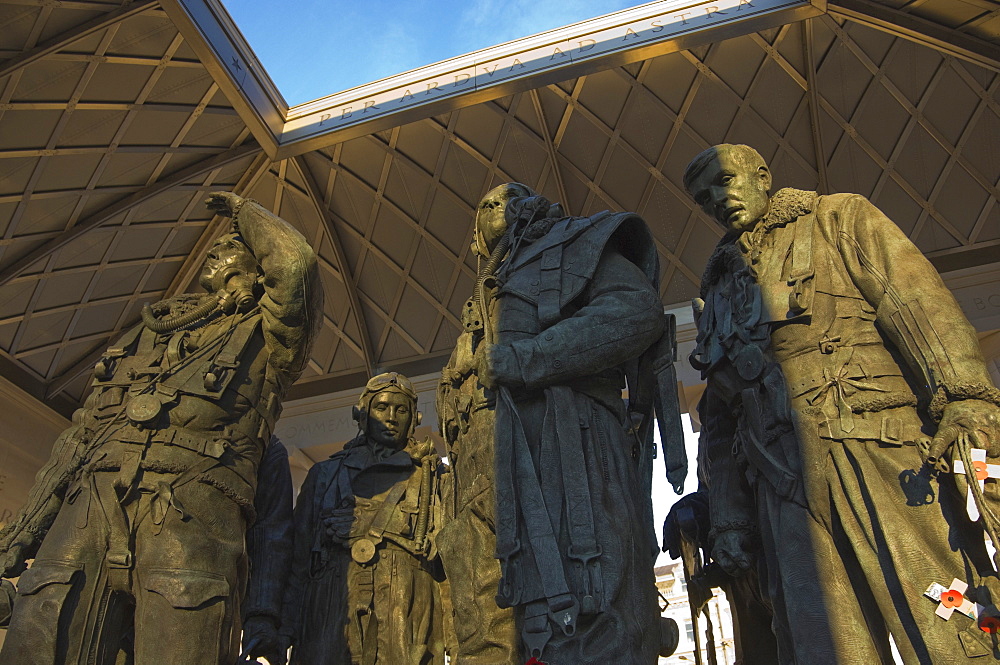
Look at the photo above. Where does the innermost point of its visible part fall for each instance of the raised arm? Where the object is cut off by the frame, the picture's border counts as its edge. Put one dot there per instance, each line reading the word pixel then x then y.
pixel 293 294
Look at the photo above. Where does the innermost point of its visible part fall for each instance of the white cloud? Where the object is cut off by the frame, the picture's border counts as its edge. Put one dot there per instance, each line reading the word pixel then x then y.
pixel 486 23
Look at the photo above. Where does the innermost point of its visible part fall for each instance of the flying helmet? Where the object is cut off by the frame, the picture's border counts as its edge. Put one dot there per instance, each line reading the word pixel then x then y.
pixel 387 382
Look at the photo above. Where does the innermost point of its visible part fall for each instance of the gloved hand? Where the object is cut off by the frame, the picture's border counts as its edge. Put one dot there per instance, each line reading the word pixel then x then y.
pixel 463 360
pixel 733 551
pixel 689 517
pixel 224 204
pixel 418 450
pixel 338 522
pixel 485 367
pixel 13 556
pixel 262 640
pixel 977 419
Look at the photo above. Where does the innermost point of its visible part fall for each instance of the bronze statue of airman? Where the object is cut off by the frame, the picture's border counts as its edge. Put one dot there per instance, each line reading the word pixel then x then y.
pixel 365 585
pixel 546 460
pixel 843 383
pixel 138 521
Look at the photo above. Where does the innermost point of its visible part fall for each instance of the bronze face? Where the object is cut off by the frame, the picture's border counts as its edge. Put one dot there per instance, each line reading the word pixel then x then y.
pixel 389 418
pixel 227 258
pixel 490 222
pixel 733 190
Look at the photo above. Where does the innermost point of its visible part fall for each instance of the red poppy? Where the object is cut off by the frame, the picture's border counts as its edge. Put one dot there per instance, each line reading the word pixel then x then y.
pixel 535 661
pixel 989 624
pixel 982 473
pixel 952 598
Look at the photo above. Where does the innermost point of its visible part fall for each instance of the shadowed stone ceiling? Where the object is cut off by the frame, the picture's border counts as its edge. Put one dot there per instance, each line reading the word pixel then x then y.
pixel 112 132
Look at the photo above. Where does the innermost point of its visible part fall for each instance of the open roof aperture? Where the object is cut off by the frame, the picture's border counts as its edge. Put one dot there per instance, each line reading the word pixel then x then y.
pixel 313 48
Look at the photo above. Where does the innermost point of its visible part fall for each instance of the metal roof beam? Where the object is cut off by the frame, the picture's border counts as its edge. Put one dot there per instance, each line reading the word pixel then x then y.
pixel 103 216
pixel 809 52
pixel 215 227
pixel 352 379
pixel 391 265
pixel 139 61
pixel 903 24
pixel 116 106
pixel 550 148
pixel 316 198
pixel 68 4
pixel 72 307
pixel 102 149
pixel 77 32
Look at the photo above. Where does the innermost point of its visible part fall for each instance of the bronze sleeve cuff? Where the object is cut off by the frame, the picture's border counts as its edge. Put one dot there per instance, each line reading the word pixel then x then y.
pixel 506 367
pixel 732 525
pixel 955 393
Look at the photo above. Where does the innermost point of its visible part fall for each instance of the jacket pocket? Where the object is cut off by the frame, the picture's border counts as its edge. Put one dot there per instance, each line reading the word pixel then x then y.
pixel 518 316
pixel 186 589
pixel 37 626
pixel 45 573
pixel 192 614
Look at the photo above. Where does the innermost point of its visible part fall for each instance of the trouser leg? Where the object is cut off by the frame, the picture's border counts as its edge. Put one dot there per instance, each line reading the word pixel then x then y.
pixel 626 628
pixel 904 546
pixel 487 634
pixel 189 578
pixel 64 612
pixel 818 617
pixel 752 618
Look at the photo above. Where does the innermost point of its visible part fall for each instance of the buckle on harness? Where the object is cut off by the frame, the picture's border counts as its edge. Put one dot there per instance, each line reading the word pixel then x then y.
pixel 536 633
pixel 590 578
pixel 563 611
pixel 505 550
pixel 511 586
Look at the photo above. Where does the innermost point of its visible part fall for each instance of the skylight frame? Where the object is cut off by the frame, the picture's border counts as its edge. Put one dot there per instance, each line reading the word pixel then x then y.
pixel 618 38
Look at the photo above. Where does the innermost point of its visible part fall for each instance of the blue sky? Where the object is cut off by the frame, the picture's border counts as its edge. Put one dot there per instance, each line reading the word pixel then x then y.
pixel 314 48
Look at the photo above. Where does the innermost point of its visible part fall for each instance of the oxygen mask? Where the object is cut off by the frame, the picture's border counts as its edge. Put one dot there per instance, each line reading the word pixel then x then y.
pixel 235 289
pixel 230 272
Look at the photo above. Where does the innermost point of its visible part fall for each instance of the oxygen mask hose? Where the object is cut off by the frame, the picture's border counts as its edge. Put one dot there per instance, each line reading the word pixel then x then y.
pixel 496 256
pixel 208 306
pixel 233 293
pixel 537 210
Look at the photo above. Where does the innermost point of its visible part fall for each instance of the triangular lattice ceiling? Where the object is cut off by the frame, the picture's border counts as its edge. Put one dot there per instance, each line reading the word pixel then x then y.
pixel 112 132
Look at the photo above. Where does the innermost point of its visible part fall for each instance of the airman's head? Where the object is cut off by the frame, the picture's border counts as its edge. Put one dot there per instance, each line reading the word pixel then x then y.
pixel 387 410
pixel 228 258
pixel 731 183
pixel 491 222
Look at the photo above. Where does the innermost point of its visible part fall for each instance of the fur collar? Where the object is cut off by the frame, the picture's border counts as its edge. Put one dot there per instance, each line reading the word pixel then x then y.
pixel 787 205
